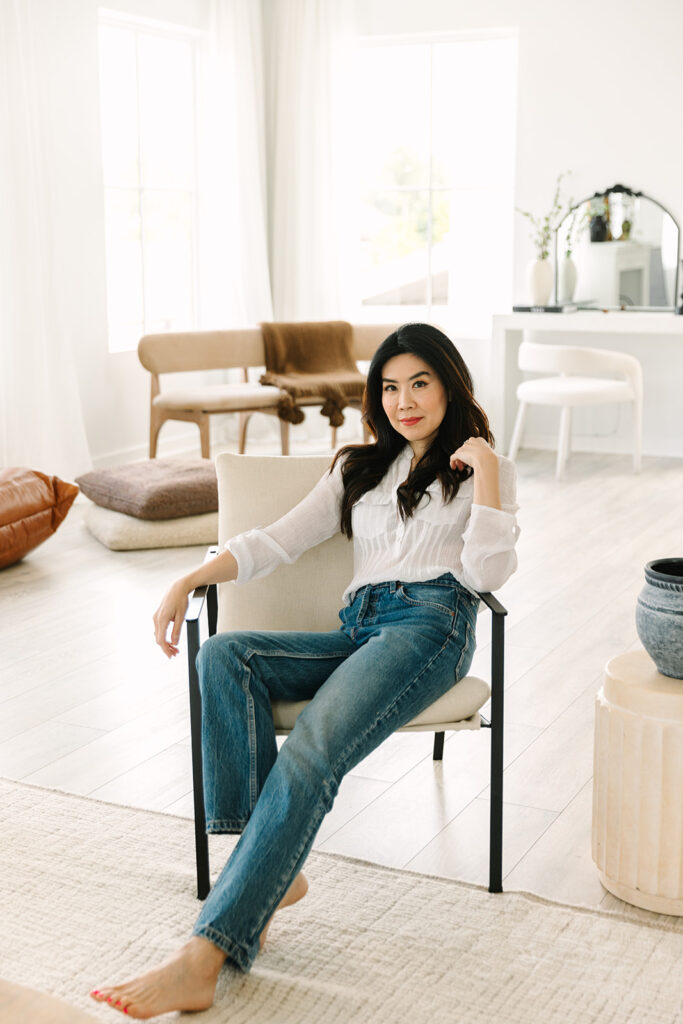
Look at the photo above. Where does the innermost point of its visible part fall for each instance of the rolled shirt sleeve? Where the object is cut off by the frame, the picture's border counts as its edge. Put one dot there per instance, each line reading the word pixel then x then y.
pixel 315 518
pixel 488 553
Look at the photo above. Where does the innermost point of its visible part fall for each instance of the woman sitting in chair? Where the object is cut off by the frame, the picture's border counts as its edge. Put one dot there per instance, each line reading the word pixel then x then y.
pixel 431 510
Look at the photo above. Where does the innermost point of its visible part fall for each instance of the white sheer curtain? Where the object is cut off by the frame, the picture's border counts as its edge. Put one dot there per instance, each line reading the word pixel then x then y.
pixel 236 282
pixel 308 49
pixel 41 422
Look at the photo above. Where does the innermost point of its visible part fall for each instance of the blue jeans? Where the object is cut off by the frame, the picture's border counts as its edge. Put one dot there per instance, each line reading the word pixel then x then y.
pixel 399 648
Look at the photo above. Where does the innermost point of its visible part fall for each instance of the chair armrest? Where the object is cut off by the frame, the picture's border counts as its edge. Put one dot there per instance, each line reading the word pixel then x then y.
pixel 195 605
pixel 493 603
pixel 498 613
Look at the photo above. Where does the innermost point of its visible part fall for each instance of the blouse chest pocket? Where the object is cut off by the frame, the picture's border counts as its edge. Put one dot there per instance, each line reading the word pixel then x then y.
pixel 372 515
pixel 433 511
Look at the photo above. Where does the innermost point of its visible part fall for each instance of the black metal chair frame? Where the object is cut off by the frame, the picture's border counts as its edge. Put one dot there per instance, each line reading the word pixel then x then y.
pixel 209 595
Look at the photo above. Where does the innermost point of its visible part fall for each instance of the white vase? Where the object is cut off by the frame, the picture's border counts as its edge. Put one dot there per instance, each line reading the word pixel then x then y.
pixel 539 279
pixel 567 275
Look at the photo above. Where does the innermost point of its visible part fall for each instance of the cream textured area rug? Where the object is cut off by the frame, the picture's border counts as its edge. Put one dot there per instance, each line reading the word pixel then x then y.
pixel 93 893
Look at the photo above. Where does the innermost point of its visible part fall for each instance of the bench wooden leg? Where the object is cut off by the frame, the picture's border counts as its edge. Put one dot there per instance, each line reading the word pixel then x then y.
pixel 203 424
pixel 155 422
pixel 284 437
pixel 243 422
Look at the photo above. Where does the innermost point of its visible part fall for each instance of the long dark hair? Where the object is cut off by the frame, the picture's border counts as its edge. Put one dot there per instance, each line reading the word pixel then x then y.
pixel 366 464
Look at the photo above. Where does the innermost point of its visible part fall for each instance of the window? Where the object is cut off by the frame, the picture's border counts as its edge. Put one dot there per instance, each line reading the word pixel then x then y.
pixel 148 89
pixel 435 145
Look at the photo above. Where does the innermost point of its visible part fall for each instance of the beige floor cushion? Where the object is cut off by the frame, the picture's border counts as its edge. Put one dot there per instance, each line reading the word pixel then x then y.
pixel 121 532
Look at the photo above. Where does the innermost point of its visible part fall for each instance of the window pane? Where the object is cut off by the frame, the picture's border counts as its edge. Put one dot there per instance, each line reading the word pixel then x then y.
pixel 168 260
pixel 473 110
pixel 124 268
pixel 166 112
pixel 395 230
pixel 393 131
pixel 118 97
pixel 436 122
pixel 441 247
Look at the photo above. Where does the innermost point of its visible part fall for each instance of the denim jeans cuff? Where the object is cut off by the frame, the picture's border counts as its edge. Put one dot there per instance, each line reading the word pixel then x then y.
pixel 234 953
pixel 226 826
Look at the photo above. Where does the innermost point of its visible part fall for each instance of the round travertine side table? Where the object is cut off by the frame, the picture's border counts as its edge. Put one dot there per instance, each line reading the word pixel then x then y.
pixel 638 784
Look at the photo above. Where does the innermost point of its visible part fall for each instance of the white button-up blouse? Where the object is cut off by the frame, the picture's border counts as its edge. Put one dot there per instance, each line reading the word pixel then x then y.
pixel 473 542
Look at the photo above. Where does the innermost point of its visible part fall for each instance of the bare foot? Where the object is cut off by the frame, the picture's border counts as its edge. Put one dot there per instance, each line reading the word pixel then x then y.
pixel 296 892
pixel 187 981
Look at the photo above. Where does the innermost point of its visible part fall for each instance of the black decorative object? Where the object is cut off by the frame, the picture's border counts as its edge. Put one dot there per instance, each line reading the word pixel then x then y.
pixel 598 228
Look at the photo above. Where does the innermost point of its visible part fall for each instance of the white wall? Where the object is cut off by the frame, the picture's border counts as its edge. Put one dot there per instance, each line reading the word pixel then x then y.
pixel 599 93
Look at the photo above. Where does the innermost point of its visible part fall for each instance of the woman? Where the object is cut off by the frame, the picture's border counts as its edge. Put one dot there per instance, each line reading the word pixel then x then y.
pixel 430 508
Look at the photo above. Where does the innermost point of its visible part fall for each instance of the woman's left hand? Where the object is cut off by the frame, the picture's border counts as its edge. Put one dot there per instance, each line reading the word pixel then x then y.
pixel 475 452
pixel 478 454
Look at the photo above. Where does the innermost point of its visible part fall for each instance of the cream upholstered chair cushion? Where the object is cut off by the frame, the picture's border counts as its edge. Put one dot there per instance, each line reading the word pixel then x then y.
pixel 255 491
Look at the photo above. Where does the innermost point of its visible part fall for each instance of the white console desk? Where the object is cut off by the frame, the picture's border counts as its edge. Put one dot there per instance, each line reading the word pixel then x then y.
pixel 648 336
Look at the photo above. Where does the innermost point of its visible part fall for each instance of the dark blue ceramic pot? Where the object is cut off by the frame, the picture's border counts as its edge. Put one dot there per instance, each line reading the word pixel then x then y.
pixel 659 615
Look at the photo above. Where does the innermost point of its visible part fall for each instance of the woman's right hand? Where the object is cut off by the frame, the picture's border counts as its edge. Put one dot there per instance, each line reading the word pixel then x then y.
pixel 171 610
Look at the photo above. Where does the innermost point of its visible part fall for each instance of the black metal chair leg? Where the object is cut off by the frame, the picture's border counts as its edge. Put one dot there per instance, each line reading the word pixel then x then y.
pixel 438 746
pixel 497 691
pixel 200 836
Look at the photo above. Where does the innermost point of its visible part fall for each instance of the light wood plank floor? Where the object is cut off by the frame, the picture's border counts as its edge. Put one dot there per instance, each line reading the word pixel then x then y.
pixel 89 705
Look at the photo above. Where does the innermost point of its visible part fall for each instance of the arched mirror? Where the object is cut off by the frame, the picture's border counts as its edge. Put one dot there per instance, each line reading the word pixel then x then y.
pixel 618 249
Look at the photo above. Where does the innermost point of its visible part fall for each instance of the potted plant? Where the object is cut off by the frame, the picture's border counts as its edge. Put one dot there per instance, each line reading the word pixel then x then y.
pixel 539 270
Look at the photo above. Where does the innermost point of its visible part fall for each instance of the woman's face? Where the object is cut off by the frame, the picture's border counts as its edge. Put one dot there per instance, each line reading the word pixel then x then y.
pixel 414 400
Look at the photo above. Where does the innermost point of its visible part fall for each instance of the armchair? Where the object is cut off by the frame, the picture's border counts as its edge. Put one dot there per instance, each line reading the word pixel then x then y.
pixel 318 579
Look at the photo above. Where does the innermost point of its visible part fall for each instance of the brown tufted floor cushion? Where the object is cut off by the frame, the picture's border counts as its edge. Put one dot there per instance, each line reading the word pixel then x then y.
pixel 32 507
pixel 155 489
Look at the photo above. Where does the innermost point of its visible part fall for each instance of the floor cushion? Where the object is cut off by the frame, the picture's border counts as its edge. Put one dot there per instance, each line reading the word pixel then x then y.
pixel 32 507
pixel 155 489
pixel 120 532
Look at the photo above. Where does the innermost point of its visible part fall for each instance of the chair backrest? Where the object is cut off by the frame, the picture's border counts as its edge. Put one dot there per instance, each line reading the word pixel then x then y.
pixel 255 491
pixel 574 359
pixel 201 350
pixel 184 351
pixel 368 337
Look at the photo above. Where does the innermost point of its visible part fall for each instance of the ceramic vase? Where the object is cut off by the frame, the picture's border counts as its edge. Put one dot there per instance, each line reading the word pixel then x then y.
pixel 539 279
pixel 567 279
pixel 659 615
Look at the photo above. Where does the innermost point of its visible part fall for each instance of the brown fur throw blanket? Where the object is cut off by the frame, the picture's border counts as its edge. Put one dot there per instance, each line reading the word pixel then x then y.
pixel 309 360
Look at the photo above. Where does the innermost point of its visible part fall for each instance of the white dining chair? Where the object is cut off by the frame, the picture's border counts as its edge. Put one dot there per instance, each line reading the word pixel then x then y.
pixel 580 376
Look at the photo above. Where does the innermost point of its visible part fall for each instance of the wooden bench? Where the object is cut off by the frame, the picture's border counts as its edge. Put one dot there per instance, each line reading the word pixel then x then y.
pixel 21 1005
pixel 192 351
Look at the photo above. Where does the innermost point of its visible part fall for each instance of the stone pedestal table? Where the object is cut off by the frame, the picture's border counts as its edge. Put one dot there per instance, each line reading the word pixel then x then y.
pixel 637 837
